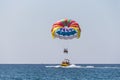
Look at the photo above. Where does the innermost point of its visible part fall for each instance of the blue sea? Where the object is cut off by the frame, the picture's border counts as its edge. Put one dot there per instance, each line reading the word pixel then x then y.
pixel 41 72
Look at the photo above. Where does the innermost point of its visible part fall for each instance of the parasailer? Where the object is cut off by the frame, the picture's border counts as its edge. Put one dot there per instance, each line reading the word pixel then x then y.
pixel 65 29
pixel 65 50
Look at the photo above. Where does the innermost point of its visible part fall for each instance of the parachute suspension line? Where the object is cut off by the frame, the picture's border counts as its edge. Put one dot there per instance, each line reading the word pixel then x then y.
pixel 66 50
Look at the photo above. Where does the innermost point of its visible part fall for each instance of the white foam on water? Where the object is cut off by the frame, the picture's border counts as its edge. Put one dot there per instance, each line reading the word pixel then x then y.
pixel 71 66
pixel 109 67
pixel 90 67
pixel 76 66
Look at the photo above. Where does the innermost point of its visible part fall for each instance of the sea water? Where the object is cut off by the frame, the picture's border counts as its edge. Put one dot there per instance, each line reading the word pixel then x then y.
pixel 52 72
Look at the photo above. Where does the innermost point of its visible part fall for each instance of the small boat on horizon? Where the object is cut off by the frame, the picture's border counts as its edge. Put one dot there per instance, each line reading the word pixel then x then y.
pixel 65 63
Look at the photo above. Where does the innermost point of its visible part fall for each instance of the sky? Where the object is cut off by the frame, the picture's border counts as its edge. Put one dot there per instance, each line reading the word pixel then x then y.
pixel 25 36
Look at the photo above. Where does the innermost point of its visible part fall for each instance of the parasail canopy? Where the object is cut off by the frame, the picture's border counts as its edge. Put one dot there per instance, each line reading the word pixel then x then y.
pixel 66 29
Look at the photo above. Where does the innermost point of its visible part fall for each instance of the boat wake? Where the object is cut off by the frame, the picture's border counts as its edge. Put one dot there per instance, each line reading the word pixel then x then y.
pixel 70 66
pixel 76 66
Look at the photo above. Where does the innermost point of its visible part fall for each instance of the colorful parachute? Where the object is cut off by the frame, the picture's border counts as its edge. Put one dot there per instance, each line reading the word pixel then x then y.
pixel 66 29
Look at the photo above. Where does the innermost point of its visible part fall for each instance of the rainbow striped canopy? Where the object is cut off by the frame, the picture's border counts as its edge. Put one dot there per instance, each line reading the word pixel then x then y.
pixel 66 29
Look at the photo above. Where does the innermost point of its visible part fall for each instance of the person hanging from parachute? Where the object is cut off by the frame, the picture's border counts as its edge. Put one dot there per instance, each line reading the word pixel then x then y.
pixel 65 50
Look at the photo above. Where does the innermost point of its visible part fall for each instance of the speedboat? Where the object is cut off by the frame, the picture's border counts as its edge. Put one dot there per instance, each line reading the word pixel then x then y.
pixel 65 63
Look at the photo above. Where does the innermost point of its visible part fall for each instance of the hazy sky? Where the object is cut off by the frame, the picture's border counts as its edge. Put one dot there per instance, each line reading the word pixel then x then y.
pixel 25 31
